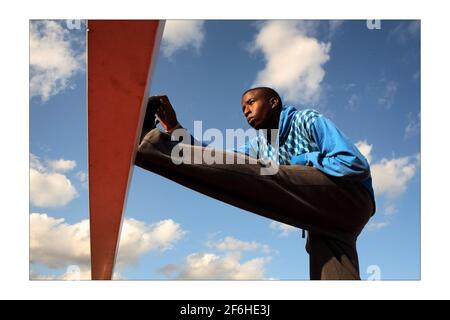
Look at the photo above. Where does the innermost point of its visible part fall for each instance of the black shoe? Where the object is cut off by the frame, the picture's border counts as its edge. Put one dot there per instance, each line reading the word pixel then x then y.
pixel 150 120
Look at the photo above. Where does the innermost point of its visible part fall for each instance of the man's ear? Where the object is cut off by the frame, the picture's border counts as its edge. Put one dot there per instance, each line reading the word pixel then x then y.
pixel 274 102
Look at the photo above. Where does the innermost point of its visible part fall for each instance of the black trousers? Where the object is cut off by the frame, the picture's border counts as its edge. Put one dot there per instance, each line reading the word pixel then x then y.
pixel 333 210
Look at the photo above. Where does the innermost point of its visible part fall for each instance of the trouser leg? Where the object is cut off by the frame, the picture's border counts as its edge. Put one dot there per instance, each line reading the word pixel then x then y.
pixel 331 258
pixel 297 195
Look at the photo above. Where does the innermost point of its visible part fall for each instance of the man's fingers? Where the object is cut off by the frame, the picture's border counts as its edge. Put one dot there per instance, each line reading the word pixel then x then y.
pixel 159 96
pixel 160 112
pixel 163 99
pixel 165 112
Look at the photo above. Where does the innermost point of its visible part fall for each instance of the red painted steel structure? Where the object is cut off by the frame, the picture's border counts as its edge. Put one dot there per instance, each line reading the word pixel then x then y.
pixel 120 57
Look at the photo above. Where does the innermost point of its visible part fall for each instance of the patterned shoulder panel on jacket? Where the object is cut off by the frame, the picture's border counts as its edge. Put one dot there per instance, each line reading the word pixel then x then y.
pixel 303 122
pixel 298 140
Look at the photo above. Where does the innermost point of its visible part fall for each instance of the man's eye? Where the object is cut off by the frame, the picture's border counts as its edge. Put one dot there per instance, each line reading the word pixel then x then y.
pixel 251 101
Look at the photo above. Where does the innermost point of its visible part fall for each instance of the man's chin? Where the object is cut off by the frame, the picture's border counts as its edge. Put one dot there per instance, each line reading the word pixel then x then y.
pixel 254 125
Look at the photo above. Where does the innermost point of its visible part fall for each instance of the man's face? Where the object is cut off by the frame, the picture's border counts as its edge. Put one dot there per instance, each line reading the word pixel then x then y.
pixel 257 108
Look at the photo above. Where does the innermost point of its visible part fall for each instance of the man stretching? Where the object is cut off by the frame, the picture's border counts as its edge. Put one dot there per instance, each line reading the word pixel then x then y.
pixel 322 183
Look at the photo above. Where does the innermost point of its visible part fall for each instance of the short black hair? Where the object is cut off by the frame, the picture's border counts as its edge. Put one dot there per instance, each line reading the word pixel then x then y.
pixel 268 93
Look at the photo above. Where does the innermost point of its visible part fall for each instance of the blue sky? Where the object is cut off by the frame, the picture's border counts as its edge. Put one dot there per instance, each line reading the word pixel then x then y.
pixel 366 81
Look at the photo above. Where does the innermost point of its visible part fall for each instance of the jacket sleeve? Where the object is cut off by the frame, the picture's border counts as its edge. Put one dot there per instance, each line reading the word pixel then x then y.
pixel 337 156
pixel 249 148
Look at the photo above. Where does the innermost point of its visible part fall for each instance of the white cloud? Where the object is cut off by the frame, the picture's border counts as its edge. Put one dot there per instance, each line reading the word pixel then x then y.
pixel 390 180
pixel 282 228
pixel 211 266
pixel 374 226
pixel 57 244
pixel 206 265
pixel 233 244
pixel 82 176
pixel 71 273
pixel 405 31
pixel 138 238
pixel 50 189
pixel 47 187
pixel 62 165
pixel 390 209
pixel 294 59
pixel 391 176
pixel 352 103
pixel 334 26
pixel 53 61
pixel 182 34
pixel 35 163
pixel 349 86
pixel 413 125
pixel 365 149
pixel 388 97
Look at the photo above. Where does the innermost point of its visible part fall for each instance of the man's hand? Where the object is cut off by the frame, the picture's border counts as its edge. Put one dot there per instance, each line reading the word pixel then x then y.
pixel 166 114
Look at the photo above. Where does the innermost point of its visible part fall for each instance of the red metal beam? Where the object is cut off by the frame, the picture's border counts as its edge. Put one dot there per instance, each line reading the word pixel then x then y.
pixel 120 59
